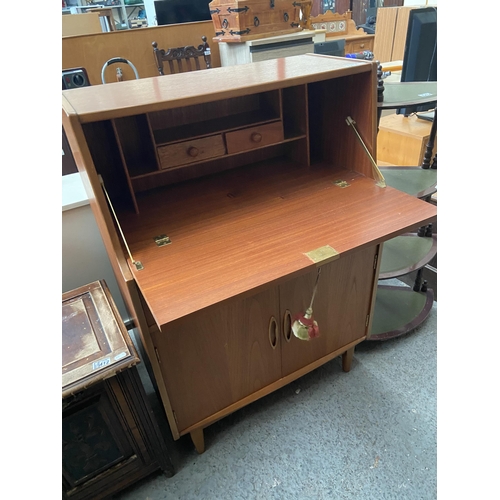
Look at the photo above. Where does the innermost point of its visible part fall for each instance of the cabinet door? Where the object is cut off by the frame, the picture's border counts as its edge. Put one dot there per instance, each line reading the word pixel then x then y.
pixel 98 447
pixel 215 357
pixel 340 307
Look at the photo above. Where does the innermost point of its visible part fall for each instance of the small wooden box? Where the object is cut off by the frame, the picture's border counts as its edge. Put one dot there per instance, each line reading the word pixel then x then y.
pixel 238 21
pixel 402 140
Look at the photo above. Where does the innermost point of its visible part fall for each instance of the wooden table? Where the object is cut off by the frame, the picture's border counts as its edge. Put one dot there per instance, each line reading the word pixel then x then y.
pixel 405 94
pixel 399 310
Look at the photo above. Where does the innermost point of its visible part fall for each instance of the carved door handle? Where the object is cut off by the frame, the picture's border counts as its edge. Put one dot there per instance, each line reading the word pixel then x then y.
pixel 273 332
pixel 287 325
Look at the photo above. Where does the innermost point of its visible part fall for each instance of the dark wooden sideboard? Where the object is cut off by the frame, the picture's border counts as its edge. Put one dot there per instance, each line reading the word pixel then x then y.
pixel 219 194
pixel 110 437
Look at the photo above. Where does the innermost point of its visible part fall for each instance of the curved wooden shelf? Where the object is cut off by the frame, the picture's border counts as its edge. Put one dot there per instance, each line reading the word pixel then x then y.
pixel 399 310
pixel 415 181
pixel 403 94
pixel 405 254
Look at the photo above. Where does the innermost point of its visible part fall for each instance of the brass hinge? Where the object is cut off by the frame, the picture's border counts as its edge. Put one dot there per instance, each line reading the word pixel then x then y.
pixel 341 183
pixel 157 355
pixel 323 254
pixel 367 319
pixel 162 240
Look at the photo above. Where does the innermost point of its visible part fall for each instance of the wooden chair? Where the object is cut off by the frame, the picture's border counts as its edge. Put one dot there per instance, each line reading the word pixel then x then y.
pixel 184 57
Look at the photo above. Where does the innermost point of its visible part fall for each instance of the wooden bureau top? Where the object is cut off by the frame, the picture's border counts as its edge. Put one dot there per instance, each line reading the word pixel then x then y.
pixel 118 99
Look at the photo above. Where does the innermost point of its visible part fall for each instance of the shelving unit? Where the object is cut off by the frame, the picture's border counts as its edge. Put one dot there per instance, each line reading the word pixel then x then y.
pixel 122 12
pixel 400 309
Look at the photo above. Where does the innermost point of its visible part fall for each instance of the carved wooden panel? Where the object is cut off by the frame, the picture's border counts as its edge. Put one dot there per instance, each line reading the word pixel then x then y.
pixel 334 24
pixel 92 438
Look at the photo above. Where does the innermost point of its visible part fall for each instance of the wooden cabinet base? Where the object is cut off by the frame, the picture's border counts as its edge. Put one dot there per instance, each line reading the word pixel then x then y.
pixel 347 359
pixel 198 440
pixel 110 439
pixel 197 435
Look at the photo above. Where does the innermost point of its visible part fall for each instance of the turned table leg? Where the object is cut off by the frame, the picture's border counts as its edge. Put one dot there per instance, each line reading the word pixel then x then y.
pixel 198 440
pixel 347 359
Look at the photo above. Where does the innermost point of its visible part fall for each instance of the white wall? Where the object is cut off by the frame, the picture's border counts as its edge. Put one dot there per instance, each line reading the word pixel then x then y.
pixel 84 257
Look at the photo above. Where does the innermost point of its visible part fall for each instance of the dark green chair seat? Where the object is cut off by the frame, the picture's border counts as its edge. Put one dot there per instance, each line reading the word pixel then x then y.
pixel 415 181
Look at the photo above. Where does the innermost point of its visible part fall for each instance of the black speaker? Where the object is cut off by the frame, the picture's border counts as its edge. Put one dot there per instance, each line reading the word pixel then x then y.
pixel 75 78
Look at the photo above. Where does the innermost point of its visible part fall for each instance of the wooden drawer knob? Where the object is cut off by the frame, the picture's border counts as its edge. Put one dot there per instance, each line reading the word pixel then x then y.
pixel 193 152
pixel 362 46
pixel 256 137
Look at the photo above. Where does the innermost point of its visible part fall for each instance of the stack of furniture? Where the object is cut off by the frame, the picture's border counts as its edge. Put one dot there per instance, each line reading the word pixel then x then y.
pixel 219 194
pixel 110 438
pixel 107 16
pixel 390 35
pixel 119 13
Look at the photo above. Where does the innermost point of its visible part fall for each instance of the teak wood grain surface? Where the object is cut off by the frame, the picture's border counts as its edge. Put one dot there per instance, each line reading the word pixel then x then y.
pixel 118 99
pixel 250 227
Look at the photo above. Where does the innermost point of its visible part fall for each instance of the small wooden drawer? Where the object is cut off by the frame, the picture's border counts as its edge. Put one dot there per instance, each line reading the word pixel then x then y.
pixel 254 137
pixel 360 46
pixel 182 153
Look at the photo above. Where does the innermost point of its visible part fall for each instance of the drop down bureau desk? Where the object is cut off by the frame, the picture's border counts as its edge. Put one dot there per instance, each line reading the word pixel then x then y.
pixel 219 194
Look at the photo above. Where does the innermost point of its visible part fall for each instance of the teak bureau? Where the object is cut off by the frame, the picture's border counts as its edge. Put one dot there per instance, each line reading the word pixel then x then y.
pixel 219 194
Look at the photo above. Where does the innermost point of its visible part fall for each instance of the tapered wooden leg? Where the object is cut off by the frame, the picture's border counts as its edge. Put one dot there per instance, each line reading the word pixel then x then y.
pixel 347 359
pixel 198 440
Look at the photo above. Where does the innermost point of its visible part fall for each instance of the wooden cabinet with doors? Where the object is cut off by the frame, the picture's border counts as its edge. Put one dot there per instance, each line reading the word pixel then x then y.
pixel 249 341
pixel 219 194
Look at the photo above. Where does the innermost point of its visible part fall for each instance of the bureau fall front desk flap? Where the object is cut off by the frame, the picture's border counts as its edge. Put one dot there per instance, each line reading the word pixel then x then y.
pixel 218 195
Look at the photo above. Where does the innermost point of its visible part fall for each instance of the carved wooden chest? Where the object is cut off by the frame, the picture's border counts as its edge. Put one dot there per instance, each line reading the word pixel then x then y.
pixel 242 20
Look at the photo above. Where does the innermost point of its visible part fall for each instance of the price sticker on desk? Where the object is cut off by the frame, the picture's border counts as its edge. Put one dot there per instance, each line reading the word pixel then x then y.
pixel 101 363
